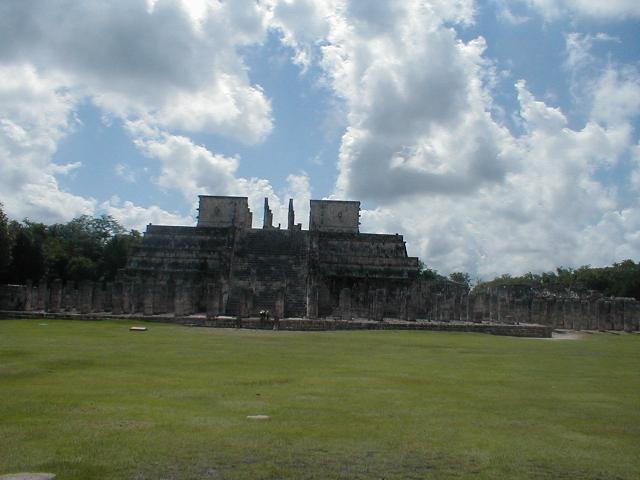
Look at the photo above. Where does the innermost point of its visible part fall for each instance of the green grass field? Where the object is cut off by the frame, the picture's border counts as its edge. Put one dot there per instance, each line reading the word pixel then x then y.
pixel 93 400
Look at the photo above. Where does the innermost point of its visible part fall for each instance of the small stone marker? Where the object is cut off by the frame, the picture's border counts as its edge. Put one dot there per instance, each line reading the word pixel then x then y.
pixel 28 476
pixel 138 329
pixel 258 417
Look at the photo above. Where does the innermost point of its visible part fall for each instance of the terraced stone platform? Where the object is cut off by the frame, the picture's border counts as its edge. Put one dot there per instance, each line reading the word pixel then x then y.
pixel 300 324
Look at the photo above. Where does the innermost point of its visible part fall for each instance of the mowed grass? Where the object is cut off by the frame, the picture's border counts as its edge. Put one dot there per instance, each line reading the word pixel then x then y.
pixel 94 400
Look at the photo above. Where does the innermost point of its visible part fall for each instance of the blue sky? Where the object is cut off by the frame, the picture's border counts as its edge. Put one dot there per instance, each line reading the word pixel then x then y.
pixel 496 136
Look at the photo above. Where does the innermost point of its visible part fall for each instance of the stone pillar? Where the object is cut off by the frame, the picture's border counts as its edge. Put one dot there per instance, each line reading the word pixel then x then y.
pixel 618 313
pixel 126 297
pixel 631 315
pixel 55 297
pixel 98 298
pixel 246 303
pixel 147 299
pixel 345 304
pixel 160 297
pixel 181 306
pixel 213 300
pixel 605 316
pixel 86 296
pixel 42 296
pixel 411 308
pixel 378 305
pixel 312 301
pixel 117 298
pixel 137 297
pixel 280 302
pixel 108 298
pixel 28 300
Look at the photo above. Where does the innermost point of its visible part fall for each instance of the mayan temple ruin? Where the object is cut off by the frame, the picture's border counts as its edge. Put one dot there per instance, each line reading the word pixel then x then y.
pixel 223 270
pixel 225 266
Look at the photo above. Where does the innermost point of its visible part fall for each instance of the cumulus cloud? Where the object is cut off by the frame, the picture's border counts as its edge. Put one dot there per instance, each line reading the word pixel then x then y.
pixel 412 90
pixel 35 114
pixel 194 170
pixel 171 62
pixel 422 144
pixel 133 216
pixel 553 211
pixel 612 9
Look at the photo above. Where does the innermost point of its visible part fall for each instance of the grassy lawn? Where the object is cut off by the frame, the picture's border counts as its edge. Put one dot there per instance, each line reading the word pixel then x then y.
pixel 93 400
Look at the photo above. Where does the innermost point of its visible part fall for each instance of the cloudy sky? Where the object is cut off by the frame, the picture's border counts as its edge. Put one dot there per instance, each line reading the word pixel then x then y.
pixel 497 136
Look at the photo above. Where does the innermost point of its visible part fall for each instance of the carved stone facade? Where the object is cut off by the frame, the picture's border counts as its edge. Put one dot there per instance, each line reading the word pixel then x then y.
pixel 227 267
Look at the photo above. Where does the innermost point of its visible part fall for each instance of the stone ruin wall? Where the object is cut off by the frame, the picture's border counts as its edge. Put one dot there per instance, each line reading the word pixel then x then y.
pixel 331 271
pixel 431 302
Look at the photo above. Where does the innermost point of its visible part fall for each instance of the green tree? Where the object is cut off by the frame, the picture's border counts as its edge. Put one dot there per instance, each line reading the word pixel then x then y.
pixel 462 278
pixel 27 259
pixel 5 245
pixel 117 251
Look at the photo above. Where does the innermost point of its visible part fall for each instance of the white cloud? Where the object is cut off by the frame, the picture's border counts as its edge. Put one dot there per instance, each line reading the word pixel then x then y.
pixel 194 170
pixel 552 211
pixel 616 95
pixel 136 217
pixel 422 144
pixel 35 114
pixel 125 172
pixel 171 62
pixel 610 9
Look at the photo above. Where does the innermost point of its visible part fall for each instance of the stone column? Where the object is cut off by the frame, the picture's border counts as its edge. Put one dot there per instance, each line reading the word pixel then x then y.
pixel 605 316
pixel 29 300
pixel 160 297
pixel 280 301
pixel 180 309
pixel 108 297
pixel 631 315
pixel 345 304
pixel 147 299
pixel 42 295
pixel 86 296
pixel 378 305
pixel 312 301
pixel 127 288
pixel 137 297
pixel 55 297
pixel 246 302
pixel 117 298
pixel 618 313
pixel 213 300
pixel 98 298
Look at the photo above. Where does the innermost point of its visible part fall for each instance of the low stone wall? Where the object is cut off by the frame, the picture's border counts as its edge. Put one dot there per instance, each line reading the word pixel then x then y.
pixel 536 331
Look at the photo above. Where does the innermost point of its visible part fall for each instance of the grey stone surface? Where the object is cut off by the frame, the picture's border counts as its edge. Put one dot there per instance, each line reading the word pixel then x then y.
pixel 28 476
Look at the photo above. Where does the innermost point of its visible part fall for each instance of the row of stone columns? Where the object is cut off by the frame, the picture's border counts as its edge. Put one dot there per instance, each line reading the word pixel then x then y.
pixel 183 298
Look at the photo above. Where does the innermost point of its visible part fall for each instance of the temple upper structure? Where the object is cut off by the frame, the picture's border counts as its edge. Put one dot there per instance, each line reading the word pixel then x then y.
pixel 295 272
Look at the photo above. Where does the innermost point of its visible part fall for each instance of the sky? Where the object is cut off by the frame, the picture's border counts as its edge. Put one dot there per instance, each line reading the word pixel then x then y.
pixel 497 136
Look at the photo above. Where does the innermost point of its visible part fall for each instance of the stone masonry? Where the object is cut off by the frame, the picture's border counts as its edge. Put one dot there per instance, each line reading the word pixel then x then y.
pixel 224 267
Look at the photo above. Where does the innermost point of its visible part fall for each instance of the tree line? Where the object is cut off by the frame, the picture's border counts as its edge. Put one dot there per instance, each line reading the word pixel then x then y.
pixel 618 280
pixel 86 248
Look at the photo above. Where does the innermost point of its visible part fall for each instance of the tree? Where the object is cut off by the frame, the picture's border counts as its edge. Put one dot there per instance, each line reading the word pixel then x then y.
pixel 427 273
pixel 117 251
pixel 462 278
pixel 27 259
pixel 5 245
